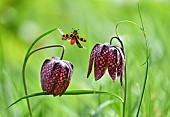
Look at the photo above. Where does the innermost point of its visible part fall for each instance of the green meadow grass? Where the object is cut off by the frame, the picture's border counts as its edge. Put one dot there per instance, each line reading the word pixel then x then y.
pixel 23 21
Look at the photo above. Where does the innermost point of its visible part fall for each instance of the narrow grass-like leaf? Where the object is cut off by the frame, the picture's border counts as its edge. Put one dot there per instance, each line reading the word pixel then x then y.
pixel 37 39
pixel 71 92
pixel 147 62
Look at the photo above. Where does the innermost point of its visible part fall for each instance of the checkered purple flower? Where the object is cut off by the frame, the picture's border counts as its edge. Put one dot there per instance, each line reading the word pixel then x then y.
pixel 107 56
pixel 55 76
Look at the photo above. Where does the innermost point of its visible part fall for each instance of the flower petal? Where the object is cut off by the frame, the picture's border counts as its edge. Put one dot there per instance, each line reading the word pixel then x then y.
pixel 121 63
pixel 55 76
pixel 46 74
pixel 66 82
pixel 112 63
pixel 92 56
pixel 100 63
pixel 70 69
pixel 63 79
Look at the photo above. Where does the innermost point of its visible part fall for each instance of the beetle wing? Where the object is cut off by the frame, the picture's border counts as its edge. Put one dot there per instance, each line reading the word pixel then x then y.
pixel 78 44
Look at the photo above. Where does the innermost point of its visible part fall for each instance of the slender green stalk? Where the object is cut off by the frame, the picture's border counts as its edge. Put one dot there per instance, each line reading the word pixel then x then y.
pixel 125 94
pixel 71 92
pixel 25 87
pixel 147 63
pixel 24 66
pixel 45 47
pixel 118 40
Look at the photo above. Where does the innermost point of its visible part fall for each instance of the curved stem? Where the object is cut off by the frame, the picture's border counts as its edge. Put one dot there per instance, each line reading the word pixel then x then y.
pixel 45 47
pixel 24 65
pixel 25 86
pixel 125 92
pixel 118 40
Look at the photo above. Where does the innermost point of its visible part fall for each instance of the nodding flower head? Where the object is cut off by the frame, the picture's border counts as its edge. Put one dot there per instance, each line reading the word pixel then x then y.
pixel 55 76
pixel 107 56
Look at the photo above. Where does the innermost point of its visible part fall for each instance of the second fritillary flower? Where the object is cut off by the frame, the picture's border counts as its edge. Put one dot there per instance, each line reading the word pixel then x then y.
pixel 107 56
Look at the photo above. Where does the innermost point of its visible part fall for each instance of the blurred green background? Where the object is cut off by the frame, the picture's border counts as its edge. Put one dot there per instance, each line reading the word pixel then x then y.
pixel 21 21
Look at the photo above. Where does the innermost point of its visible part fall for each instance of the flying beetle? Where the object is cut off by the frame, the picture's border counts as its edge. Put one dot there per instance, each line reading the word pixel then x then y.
pixel 73 37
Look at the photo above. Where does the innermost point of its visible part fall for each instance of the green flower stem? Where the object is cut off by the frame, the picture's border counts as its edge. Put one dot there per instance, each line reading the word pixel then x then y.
pixel 118 40
pixel 125 92
pixel 45 47
pixel 147 63
pixel 71 92
pixel 24 66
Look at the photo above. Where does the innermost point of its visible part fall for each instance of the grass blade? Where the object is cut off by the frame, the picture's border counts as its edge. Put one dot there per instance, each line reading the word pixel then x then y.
pixel 71 92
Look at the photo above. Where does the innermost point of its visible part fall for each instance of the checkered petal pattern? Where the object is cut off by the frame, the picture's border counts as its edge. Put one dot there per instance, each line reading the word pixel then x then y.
pixel 106 56
pixel 120 63
pixel 92 56
pixel 100 63
pixel 55 76
pixel 112 63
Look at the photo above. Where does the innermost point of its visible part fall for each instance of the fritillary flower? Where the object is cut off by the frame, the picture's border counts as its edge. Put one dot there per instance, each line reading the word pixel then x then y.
pixel 55 76
pixel 107 56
